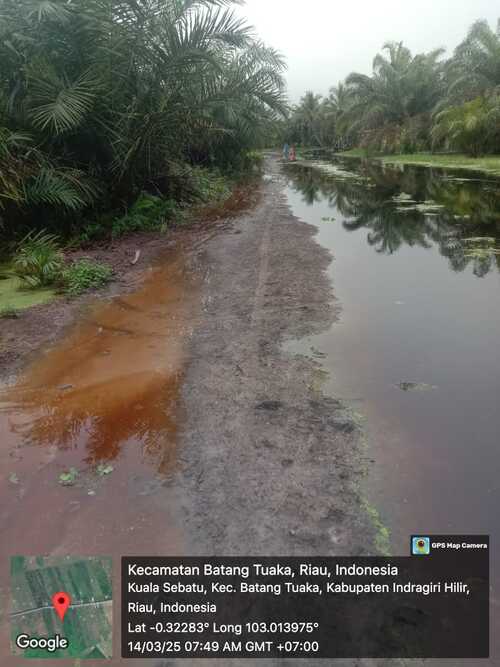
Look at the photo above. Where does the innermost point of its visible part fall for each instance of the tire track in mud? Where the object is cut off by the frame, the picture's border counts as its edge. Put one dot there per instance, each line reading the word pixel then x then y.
pixel 253 412
pixel 264 252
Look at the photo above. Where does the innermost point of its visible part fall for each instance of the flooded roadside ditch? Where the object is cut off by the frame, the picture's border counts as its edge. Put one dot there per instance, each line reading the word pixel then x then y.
pixel 415 351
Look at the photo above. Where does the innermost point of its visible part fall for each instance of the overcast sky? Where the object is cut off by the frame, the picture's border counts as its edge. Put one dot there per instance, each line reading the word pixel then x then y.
pixel 324 40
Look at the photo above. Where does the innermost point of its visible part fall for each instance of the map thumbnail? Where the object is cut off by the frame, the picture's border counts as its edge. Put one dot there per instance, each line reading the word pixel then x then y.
pixel 87 625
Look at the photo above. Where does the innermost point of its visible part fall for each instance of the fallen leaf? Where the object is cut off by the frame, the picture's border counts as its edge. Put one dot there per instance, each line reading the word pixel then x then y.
pixel 68 478
pixel 104 469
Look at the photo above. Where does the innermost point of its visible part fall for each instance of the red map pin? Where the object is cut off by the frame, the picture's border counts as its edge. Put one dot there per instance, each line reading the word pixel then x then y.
pixel 61 602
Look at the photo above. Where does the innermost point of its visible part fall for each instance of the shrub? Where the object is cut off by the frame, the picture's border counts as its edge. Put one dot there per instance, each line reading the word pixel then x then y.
pixel 209 185
pixel 8 313
pixel 38 260
pixel 147 214
pixel 90 233
pixel 472 127
pixel 85 274
pixel 254 161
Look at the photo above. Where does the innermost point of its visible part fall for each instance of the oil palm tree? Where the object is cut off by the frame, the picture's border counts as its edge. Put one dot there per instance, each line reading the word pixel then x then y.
pixel 339 102
pixel 472 127
pixel 308 118
pixel 475 67
pixel 401 86
pixel 112 95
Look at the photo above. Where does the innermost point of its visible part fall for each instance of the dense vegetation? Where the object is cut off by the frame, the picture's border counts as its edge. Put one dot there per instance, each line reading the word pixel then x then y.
pixel 114 111
pixel 411 102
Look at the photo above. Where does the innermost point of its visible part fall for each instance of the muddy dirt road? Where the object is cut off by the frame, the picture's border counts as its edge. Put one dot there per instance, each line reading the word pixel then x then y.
pixel 220 441
pixel 270 465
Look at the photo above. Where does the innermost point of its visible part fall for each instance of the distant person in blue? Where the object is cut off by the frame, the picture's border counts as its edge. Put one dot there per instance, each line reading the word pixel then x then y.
pixel 286 151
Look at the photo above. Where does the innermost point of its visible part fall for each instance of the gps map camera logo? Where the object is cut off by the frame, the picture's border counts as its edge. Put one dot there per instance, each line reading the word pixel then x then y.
pixel 420 546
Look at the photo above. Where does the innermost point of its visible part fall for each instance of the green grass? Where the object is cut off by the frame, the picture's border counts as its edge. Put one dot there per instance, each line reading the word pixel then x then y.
pixel 489 164
pixel 382 533
pixel 14 295
pixel 354 152
pixel 8 313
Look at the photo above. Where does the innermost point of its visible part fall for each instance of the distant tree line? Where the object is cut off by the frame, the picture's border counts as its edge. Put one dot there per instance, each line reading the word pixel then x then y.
pixel 411 102
pixel 103 100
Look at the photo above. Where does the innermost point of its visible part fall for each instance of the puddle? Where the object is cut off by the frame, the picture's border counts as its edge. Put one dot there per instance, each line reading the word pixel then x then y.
pixel 109 383
pixel 105 403
pixel 416 349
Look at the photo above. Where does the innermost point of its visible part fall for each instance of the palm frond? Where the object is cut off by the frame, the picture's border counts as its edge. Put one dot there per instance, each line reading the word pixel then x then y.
pixel 56 187
pixel 49 9
pixel 59 105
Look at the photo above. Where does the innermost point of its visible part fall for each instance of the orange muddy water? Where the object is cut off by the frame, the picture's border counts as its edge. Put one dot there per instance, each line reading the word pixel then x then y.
pixel 104 401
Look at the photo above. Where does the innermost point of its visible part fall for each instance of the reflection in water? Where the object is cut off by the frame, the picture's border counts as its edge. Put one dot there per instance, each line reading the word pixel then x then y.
pixel 413 314
pixel 113 382
pixel 94 418
pixel 412 207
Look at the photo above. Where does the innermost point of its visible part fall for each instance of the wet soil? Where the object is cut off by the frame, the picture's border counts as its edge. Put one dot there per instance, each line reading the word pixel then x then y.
pixel 270 464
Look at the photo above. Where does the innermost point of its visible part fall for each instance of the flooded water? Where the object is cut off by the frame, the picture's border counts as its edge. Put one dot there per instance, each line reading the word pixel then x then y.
pixel 416 350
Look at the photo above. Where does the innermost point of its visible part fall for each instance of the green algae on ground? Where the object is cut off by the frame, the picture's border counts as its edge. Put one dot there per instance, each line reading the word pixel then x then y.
pixel 333 170
pixel 13 295
pixel 489 164
pixel 382 539
pixel 381 533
